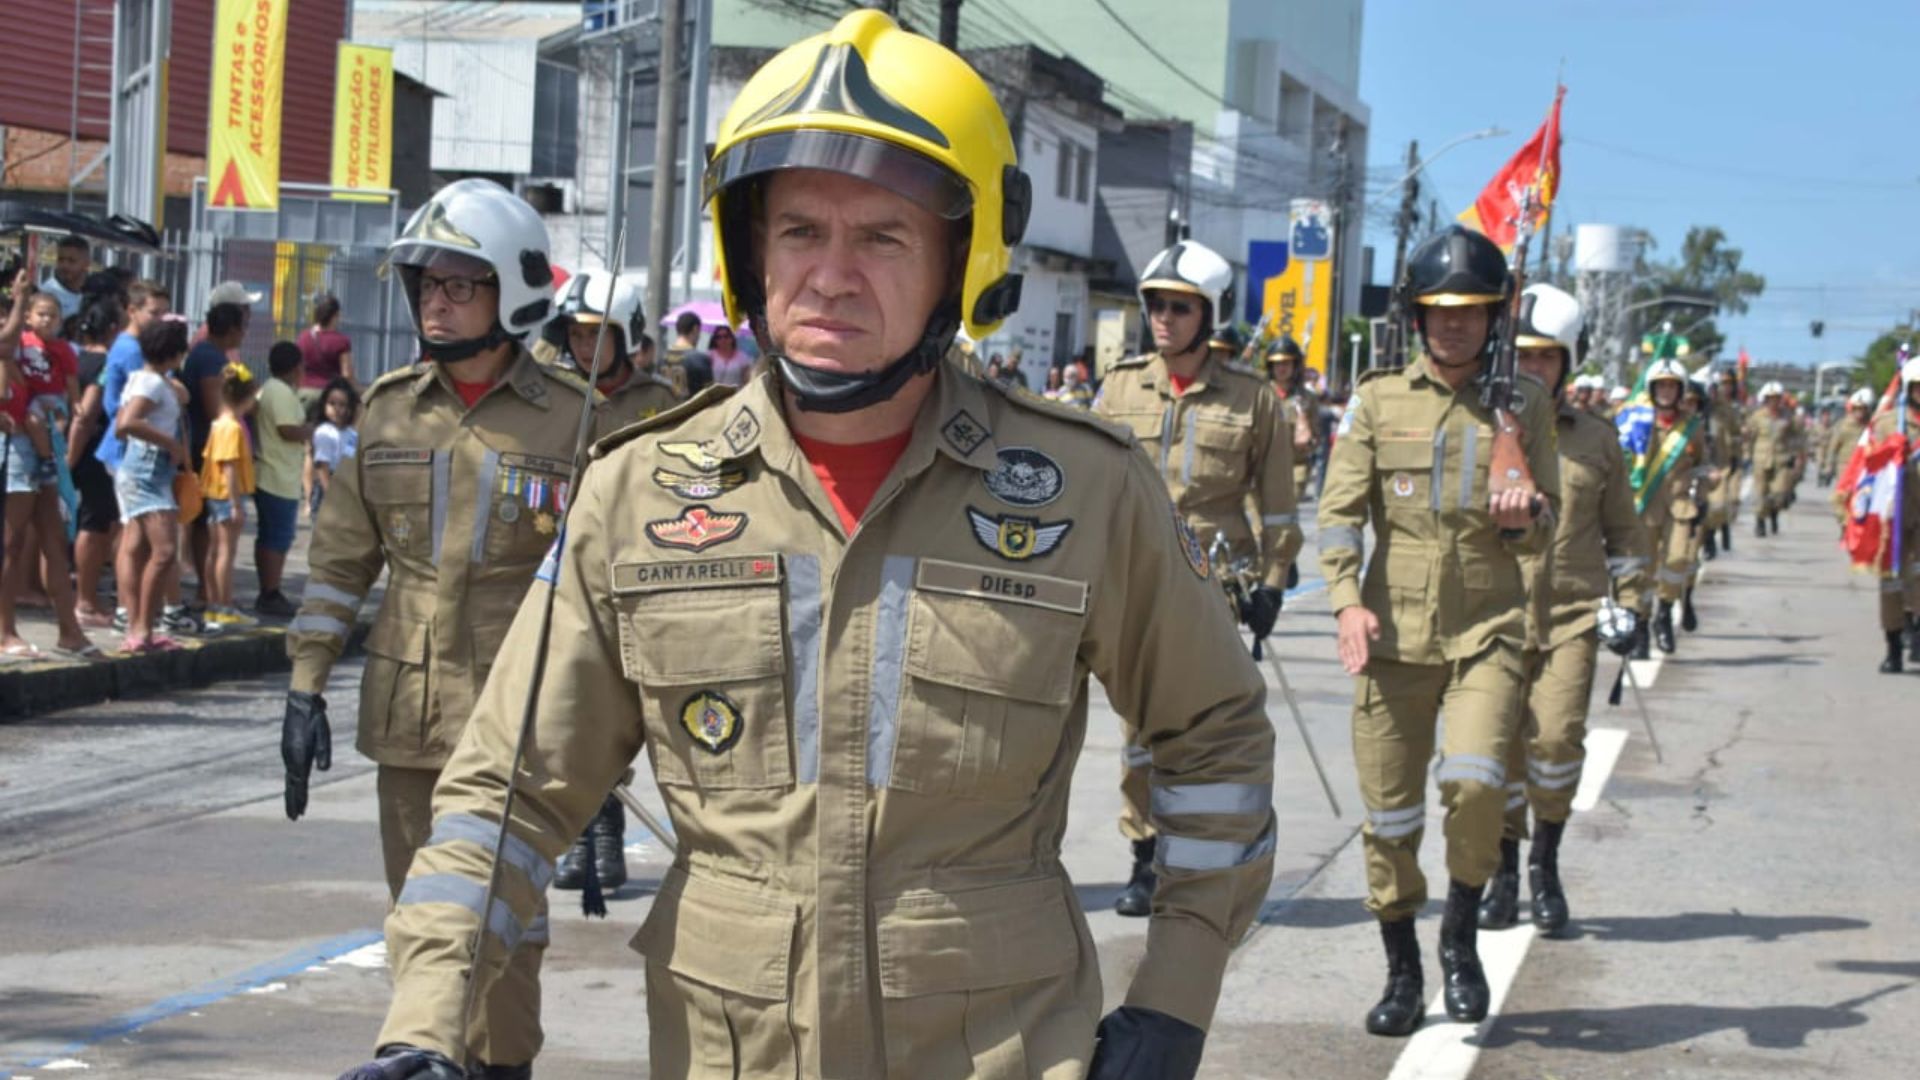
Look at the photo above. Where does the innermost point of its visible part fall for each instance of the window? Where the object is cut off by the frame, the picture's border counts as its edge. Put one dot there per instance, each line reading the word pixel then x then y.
pixel 1063 170
pixel 1083 174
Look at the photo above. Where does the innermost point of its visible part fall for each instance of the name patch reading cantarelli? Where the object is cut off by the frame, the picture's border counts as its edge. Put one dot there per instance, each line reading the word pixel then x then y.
pixel 992 583
pixel 642 577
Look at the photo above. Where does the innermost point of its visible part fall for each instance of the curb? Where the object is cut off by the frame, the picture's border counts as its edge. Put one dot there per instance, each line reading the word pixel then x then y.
pixel 33 689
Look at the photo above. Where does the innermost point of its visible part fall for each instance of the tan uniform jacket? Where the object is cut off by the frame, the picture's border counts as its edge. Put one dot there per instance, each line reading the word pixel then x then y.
pixel 1840 443
pixel 644 396
pixel 1670 502
pixel 1599 544
pixel 1411 457
pixel 1222 448
pixel 865 743
pixel 458 505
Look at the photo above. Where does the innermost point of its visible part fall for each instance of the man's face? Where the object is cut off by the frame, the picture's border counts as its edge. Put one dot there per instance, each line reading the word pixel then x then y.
pixel 582 338
pixel 1861 413
pixel 146 314
pixel 1665 394
pixel 1455 335
pixel 1543 363
pixel 1174 318
pixel 1281 371
pixel 70 267
pixel 442 318
pixel 852 271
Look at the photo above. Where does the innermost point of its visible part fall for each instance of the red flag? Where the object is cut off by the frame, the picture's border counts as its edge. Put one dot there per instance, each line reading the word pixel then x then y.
pixel 1871 482
pixel 1497 211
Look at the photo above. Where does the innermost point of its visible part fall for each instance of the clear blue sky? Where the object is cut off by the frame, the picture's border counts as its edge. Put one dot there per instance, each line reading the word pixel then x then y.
pixel 1790 125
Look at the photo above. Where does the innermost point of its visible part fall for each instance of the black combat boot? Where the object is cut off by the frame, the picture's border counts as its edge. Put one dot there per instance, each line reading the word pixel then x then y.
pixel 500 1072
pixel 1543 877
pixel 1502 905
pixel 1466 984
pixel 1405 1000
pixel 1663 626
pixel 572 873
pixel 1726 538
pixel 1759 523
pixel 1710 548
pixel 1642 641
pixel 1688 620
pixel 1892 665
pixel 609 833
pixel 1773 522
pixel 1136 900
pixel 1913 639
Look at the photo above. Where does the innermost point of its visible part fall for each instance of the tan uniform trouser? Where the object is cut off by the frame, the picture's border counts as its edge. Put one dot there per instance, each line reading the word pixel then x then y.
pixel 1783 480
pixel 506 1030
pixel 1396 709
pixel 1900 595
pixel 1552 747
pixel 1765 480
pixel 1679 558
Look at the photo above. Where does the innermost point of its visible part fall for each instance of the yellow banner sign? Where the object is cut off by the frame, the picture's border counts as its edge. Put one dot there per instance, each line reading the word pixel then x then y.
pixel 363 121
pixel 1300 299
pixel 243 114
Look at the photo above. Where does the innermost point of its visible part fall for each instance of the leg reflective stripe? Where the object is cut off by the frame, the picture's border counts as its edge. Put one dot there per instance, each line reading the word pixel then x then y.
pixel 1177 799
pixel 474 829
pixel 1473 767
pixel 327 594
pixel 889 659
pixel 1138 757
pixel 1623 565
pixel 442 480
pixel 1280 519
pixel 1187 853
pixel 483 495
pixel 1394 824
pixel 314 623
pixel 1538 767
pixel 1438 479
pixel 1555 783
pixel 1667 576
pixel 537 932
pixel 1469 459
pixel 1515 802
pixel 466 893
pixel 1335 537
pixel 804 615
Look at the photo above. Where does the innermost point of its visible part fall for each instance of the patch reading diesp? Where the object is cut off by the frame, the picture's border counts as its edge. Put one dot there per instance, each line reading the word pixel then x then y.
pixel 646 577
pixel 1017 538
pixel 963 432
pixel 1190 544
pixel 713 720
pixel 710 485
pixel 989 583
pixel 696 529
pixel 1025 477
pixel 695 454
pixel 1403 485
pixel 387 455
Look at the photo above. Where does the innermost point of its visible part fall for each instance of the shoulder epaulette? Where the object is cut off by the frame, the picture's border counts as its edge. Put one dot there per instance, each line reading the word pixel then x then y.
pixel 393 378
pixel 1376 373
pixel 1239 368
pixel 567 378
pixel 1131 361
pixel 1033 402
pixel 666 418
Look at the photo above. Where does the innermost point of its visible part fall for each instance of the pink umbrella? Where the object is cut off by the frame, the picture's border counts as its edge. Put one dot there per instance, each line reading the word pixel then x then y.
pixel 712 314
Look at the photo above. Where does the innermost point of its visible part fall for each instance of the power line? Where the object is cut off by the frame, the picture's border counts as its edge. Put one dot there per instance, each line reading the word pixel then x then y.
pixel 1156 54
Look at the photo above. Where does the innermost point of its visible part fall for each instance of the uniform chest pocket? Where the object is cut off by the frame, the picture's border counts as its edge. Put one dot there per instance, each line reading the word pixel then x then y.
pixel 711 672
pixel 1404 470
pixel 1220 442
pixel 517 508
pixel 398 485
pixel 1146 424
pixel 988 687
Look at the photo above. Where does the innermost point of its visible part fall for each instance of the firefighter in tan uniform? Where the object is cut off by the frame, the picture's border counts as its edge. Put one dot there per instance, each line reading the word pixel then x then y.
pixel 1437 621
pixel 1726 426
pixel 1900 590
pixel 1840 442
pixel 456 492
pixel 1709 472
pixel 860 674
pixel 1663 470
pixel 1769 442
pixel 1222 445
pixel 1286 370
pixel 1599 551
pixel 633 391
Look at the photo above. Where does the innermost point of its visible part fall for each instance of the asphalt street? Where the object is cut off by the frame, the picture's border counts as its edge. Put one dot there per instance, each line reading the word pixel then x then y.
pixel 1743 909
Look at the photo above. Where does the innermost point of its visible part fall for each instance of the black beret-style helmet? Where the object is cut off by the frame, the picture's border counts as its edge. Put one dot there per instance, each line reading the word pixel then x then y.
pixel 1457 267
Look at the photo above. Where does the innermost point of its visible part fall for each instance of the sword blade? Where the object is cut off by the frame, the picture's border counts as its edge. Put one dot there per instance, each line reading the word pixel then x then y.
pixel 660 832
pixel 1300 722
pixel 1646 718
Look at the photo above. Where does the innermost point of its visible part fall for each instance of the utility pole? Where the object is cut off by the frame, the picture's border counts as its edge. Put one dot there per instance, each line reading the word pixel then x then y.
pixel 1341 193
pixel 698 77
pixel 666 126
pixel 1402 234
pixel 950 24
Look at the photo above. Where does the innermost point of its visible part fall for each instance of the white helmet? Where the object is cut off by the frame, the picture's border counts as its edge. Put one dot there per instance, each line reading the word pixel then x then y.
pixel 1192 267
pixel 1703 374
pixel 1772 389
pixel 1910 371
pixel 478 221
pixel 1549 317
pixel 1665 370
pixel 585 300
pixel 1862 396
pixel 1617 395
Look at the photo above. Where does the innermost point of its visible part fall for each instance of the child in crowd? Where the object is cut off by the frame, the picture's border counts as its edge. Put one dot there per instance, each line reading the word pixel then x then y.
pixel 50 370
pixel 226 477
pixel 335 440
pixel 148 427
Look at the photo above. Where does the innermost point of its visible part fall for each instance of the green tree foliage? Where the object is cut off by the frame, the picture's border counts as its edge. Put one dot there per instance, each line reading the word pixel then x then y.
pixel 1882 358
pixel 1707 267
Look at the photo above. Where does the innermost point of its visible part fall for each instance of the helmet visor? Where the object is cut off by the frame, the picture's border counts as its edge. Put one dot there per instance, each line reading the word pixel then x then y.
pixel 901 171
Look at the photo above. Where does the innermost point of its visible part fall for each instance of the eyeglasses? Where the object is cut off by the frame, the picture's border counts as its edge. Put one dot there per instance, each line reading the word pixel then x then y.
pixel 1156 305
pixel 459 290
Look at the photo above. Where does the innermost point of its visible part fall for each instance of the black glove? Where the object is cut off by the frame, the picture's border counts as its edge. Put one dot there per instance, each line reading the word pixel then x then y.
pixel 1141 1044
pixel 305 743
pixel 1263 610
pixel 406 1063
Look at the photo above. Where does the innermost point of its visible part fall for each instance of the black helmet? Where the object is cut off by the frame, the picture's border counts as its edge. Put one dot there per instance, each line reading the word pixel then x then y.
pixel 1457 267
pixel 1229 338
pixel 1286 349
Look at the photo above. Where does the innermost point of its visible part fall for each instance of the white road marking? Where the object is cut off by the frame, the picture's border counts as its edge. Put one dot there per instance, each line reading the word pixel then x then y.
pixel 1603 750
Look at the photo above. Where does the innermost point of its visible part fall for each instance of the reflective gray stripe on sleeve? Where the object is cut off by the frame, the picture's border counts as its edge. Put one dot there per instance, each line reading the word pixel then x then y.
pixel 1280 519
pixel 1337 537
pixel 1439 477
pixel 804 614
pixel 1176 799
pixel 1138 757
pixel 1515 802
pixel 483 496
pixel 1624 565
pixel 327 594
pixel 1394 824
pixel 315 623
pixel 1469 464
pixel 537 932
pixel 889 666
pixel 467 893
pixel 1472 767
pixel 1187 853
pixel 442 481
pixel 477 830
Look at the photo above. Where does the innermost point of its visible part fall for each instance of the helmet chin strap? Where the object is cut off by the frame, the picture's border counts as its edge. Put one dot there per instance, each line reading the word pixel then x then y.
pixel 821 391
pixel 452 352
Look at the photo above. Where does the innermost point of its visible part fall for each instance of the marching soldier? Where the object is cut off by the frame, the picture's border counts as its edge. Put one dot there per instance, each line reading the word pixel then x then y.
pixel 1900 589
pixel 1599 549
pixel 1438 620
pixel 1664 452
pixel 1845 435
pixel 633 392
pixel 1769 440
pixel 456 491
pixel 1692 537
pixel 1286 368
pixel 1726 419
pixel 860 672
pixel 1220 441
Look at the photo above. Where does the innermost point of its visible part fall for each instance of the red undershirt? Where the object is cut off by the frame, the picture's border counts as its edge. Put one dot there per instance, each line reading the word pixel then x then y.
pixel 851 473
pixel 472 392
pixel 1179 383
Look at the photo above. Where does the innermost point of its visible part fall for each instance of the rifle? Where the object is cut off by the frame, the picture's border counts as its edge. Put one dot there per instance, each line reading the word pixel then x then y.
pixel 1263 337
pixel 1507 468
